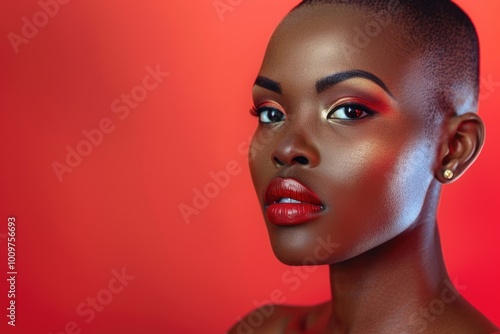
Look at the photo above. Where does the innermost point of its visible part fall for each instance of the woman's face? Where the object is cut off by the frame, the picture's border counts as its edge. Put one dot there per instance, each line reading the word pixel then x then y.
pixel 348 156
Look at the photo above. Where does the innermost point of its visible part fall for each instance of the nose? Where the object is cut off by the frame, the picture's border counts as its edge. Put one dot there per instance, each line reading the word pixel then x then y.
pixel 295 149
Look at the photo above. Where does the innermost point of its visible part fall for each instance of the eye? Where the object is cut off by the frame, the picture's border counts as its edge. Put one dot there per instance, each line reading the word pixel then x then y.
pixel 268 114
pixel 350 112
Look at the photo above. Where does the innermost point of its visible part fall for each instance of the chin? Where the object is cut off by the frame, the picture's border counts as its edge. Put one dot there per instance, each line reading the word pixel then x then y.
pixel 299 246
pixel 305 246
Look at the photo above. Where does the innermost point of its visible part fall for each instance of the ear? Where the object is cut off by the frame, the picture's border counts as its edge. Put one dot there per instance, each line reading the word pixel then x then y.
pixel 463 141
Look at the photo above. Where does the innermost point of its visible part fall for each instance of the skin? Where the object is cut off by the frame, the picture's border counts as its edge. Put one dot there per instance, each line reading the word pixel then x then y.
pixel 378 175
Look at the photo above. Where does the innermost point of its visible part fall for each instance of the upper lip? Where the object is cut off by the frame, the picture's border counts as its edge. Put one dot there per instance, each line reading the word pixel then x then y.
pixel 290 188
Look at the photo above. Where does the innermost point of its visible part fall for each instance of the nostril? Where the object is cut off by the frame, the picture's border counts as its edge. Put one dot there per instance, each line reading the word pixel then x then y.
pixel 278 161
pixel 301 160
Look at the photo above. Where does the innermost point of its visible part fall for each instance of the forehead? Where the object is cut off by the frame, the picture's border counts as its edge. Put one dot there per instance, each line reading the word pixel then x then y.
pixel 315 41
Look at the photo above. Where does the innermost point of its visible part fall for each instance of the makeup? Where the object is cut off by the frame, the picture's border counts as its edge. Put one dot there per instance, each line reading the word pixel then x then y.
pixel 289 202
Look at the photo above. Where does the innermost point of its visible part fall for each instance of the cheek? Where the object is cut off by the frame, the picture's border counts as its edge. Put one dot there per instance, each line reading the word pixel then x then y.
pixel 260 144
pixel 383 163
pixel 409 181
pixel 377 189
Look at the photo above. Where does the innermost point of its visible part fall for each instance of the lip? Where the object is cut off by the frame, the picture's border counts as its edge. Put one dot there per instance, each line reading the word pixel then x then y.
pixel 308 209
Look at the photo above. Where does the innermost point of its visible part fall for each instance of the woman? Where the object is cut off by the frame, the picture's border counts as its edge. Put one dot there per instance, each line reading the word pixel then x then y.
pixel 370 109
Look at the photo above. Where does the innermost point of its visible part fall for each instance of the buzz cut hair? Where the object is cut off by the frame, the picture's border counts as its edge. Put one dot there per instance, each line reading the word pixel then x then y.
pixel 442 32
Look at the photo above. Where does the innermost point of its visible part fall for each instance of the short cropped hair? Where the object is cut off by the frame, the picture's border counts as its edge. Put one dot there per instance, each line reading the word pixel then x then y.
pixel 439 30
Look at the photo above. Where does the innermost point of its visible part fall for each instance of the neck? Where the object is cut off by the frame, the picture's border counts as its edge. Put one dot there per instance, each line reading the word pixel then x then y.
pixel 379 290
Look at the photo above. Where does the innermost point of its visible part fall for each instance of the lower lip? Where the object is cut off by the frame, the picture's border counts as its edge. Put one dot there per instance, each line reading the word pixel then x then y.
pixel 292 213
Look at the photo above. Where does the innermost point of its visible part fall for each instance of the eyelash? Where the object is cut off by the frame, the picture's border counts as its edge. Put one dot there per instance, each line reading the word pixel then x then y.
pixel 267 107
pixel 350 105
pixel 254 111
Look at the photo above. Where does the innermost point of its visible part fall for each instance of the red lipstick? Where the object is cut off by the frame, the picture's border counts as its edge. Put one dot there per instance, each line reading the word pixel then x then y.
pixel 289 202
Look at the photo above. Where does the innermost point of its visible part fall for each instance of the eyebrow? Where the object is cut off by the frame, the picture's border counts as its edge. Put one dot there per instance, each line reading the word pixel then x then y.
pixel 331 80
pixel 268 84
pixel 326 82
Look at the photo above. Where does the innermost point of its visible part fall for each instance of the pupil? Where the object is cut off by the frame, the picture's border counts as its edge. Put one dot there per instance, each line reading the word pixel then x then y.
pixel 275 115
pixel 352 112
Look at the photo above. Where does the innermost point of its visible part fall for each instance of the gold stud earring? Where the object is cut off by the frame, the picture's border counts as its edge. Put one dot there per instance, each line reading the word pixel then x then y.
pixel 448 174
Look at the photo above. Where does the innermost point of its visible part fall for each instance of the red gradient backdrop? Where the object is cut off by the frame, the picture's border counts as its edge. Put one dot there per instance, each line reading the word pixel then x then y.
pixel 119 207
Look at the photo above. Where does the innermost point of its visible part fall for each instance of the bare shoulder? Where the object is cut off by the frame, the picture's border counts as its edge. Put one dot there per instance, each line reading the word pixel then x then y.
pixel 275 319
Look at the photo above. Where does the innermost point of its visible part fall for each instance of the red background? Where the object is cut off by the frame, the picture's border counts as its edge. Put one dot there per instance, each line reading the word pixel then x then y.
pixel 120 207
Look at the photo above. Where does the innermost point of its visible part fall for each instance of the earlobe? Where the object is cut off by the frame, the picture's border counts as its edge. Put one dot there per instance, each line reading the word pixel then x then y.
pixel 463 142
